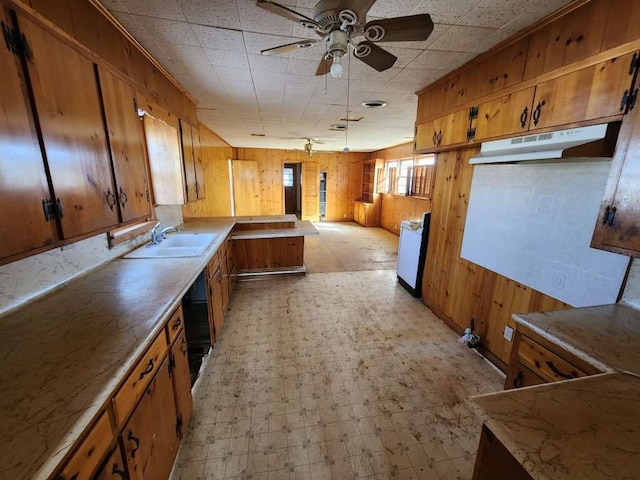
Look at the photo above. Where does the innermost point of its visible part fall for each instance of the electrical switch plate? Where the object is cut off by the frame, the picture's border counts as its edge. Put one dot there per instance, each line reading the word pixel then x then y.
pixel 508 333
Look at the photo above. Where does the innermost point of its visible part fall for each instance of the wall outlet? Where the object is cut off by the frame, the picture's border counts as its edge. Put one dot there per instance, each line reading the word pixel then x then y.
pixel 508 333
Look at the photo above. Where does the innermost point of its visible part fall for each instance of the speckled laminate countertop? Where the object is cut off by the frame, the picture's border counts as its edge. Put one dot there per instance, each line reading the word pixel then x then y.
pixel 64 353
pixel 605 337
pixel 579 429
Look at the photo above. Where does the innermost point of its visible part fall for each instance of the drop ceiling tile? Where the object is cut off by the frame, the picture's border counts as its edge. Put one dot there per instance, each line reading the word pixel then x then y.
pixel 298 66
pixel 229 76
pixel 404 55
pixel 439 59
pixel 446 11
pixel 438 30
pixel 495 38
pixel 256 19
pixel 221 13
pixel 392 8
pixel 462 39
pixel 114 5
pixel 219 38
pixel 168 31
pixel 225 58
pixel 492 15
pixel 167 9
pixel 264 65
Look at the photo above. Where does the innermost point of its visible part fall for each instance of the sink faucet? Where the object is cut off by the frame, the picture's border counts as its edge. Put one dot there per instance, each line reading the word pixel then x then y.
pixel 165 230
pixel 156 234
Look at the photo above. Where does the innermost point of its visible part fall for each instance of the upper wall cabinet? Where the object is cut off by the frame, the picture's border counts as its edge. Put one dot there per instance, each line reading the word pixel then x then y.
pixel 507 115
pixel 126 142
pixel 69 112
pixel 599 91
pixel 618 227
pixel 191 157
pixel 441 132
pixel 25 223
pixel 167 172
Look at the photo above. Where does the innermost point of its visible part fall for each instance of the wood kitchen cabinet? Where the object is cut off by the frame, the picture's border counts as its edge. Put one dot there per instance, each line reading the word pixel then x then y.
pixel 507 115
pixel 365 214
pixel 214 294
pixel 441 132
pixel 70 117
pixel 150 437
pixel 192 160
pixel 598 91
pixel 113 468
pixel 618 226
pixel 232 268
pixel 179 361
pixel 535 360
pixel 126 142
pixel 24 192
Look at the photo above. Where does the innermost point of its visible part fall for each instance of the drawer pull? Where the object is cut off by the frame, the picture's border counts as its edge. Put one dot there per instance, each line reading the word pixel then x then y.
pixel 517 382
pixel 185 346
pixel 147 370
pixel 116 471
pixel 135 440
pixel 176 325
pixel 555 370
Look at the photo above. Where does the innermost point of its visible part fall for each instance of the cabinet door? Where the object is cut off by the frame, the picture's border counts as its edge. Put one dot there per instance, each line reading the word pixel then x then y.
pixel 65 89
pixel 181 381
pixel 199 163
pixel 124 128
pixel 225 279
pixel 590 93
pixel 150 436
pixel 617 226
pixel 216 311
pixel 113 467
pixel 454 128
pixel 506 115
pixel 24 191
pixel 189 162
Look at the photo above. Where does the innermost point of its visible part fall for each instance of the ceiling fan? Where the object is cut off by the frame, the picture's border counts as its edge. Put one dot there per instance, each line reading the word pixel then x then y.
pixel 339 22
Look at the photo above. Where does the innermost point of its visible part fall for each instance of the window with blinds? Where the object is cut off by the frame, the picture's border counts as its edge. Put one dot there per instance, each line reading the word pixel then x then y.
pixel 408 177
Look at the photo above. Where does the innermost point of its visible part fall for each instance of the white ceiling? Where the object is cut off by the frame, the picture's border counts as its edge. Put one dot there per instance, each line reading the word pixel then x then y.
pixel 212 47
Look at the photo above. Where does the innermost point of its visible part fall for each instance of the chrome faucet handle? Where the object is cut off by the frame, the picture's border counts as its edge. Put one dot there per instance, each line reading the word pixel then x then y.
pixel 165 230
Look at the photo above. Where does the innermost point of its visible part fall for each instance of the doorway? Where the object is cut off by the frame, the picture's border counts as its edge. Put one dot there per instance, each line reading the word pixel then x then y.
pixel 323 196
pixel 292 188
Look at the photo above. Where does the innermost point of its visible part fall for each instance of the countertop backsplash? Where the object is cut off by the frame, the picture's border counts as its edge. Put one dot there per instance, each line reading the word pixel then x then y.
pixel 26 279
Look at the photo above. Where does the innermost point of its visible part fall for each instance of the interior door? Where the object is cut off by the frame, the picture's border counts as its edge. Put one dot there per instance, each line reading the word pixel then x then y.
pixel 126 141
pixel 290 194
pixel 246 187
pixel 65 89
pixel 23 182
pixel 310 191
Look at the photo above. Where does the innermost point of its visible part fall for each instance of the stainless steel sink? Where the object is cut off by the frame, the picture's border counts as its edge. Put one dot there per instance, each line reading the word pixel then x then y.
pixel 176 245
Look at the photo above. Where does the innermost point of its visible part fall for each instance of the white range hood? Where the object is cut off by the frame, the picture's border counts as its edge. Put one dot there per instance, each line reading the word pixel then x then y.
pixel 542 146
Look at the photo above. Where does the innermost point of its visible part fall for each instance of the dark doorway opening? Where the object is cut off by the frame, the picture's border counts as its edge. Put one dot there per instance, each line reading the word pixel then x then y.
pixel 292 188
pixel 323 196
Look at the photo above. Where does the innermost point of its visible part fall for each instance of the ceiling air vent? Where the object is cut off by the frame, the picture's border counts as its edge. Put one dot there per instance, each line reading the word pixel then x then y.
pixel 351 119
pixel 339 127
pixel 257 135
pixel 374 104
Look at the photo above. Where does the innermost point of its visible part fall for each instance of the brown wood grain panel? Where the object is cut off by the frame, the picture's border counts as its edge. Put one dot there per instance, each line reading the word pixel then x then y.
pixel 246 188
pixel 163 148
pixel 188 160
pixel 201 186
pixel 126 141
pixel 263 226
pixel 23 182
pixel 311 191
pixel 113 468
pixel 505 115
pixel 264 253
pixel 70 117
pixel 182 381
pixel 622 24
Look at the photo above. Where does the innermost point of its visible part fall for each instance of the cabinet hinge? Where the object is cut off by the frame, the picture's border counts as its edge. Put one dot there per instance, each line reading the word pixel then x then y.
pixel 148 196
pixel 16 43
pixel 628 100
pixel 632 99
pixel 634 64
pixel 473 113
pixel 471 134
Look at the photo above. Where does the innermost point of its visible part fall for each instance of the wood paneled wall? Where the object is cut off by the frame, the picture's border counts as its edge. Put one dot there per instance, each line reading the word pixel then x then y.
pixel 396 208
pixel 344 178
pixel 215 157
pixel 458 290
pixel 88 25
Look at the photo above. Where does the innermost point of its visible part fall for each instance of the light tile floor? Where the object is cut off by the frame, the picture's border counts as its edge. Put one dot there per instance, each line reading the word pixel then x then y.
pixel 339 375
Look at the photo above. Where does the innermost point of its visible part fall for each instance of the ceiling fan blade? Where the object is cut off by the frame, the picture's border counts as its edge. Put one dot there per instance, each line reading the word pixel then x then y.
pixel 323 67
pixel 287 13
pixel 399 29
pixel 289 47
pixel 374 56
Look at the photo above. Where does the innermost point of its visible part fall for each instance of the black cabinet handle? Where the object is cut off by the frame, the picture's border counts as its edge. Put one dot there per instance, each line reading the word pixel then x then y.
pixel 111 199
pixel 185 346
pixel 524 117
pixel 517 382
pixel 435 137
pixel 537 111
pixel 555 370
pixel 135 440
pixel 609 215
pixel 147 370
pixel 116 471
pixel 123 197
pixel 439 137
pixel 176 325
pixel 46 208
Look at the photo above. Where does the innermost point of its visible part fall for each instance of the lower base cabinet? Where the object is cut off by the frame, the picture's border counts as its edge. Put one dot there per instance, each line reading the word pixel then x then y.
pixel 151 436
pixel 365 214
pixel 495 462
pixel 113 468
pixel 179 364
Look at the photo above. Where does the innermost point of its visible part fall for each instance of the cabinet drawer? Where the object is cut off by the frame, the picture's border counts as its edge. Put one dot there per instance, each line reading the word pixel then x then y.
pixel 213 264
pixel 175 325
pixel 133 388
pixel 87 458
pixel 544 363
